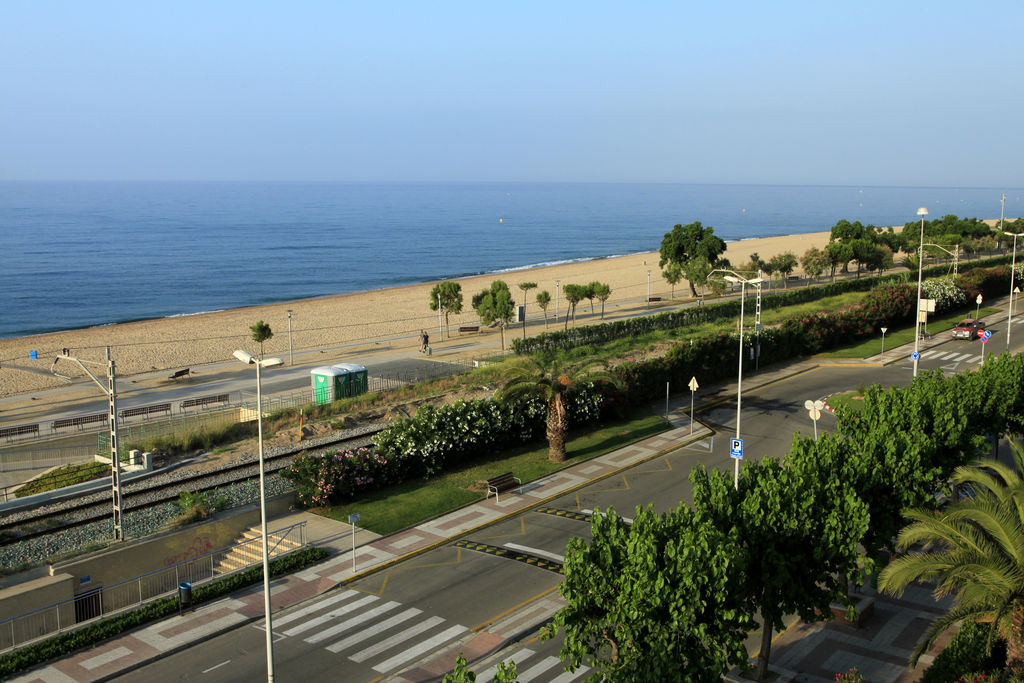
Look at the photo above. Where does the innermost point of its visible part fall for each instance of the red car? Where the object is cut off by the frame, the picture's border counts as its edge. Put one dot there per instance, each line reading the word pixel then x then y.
pixel 969 329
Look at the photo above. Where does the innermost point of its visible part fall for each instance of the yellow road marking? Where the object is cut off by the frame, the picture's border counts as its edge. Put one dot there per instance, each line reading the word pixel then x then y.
pixel 524 603
pixel 387 574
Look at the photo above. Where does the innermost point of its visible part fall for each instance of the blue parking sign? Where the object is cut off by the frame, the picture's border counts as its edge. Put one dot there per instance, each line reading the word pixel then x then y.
pixel 736 448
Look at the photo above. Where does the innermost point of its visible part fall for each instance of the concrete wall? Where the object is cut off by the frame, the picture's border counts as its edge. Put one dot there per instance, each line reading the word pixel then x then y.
pixel 31 595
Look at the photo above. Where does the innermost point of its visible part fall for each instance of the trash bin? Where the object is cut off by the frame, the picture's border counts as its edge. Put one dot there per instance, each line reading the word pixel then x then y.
pixel 184 596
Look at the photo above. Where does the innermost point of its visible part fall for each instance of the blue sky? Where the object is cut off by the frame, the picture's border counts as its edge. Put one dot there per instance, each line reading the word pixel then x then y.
pixel 886 93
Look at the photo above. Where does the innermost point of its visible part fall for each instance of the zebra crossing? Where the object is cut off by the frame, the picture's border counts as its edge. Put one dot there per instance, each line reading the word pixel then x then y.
pixel 953 357
pixel 531 666
pixel 382 634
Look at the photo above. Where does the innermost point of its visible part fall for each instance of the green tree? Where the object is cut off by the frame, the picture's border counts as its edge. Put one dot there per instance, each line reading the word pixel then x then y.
pixel 525 288
pixel 450 301
pixel 261 332
pixel 783 264
pixel 973 549
pixel 495 305
pixel 688 242
pixel 697 269
pixel 839 254
pixel 592 294
pixel 543 301
pixel 546 378
pixel 649 601
pixel 815 262
pixel 602 291
pixel 673 275
pixel 573 294
pixel 797 525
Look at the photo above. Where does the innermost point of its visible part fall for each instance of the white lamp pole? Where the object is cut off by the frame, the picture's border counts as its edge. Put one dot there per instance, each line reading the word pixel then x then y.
pixel 648 288
pixel 1013 265
pixel 291 356
pixel 922 212
pixel 250 359
pixel 557 284
pixel 735 277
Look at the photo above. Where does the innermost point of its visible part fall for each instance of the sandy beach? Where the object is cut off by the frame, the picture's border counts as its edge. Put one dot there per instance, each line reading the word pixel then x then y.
pixel 348 321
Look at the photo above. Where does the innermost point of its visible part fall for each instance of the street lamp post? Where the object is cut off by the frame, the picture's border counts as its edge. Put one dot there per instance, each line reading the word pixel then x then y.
pixel 648 288
pixel 110 390
pixel 291 357
pixel 735 277
pixel 922 212
pixel 1013 266
pixel 250 359
pixel 557 284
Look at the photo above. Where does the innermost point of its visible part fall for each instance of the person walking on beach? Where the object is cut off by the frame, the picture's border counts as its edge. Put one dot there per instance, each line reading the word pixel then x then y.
pixel 424 341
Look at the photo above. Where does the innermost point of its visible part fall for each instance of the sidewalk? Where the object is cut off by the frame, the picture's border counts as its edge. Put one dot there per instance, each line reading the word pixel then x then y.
pixel 803 652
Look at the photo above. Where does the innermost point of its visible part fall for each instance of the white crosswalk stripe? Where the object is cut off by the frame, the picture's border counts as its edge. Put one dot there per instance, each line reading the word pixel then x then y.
pixel 349 623
pixel 963 357
pixel 316 607
pixel 947 356
pixel 401 637
pixel 374 630
pixel 324 618
pixel 537 669
pixel 929 354
pixel 541 670
pixel 418 649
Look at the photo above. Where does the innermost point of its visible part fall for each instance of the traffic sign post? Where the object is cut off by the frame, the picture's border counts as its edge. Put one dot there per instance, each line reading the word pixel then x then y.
pixel 984 339
pixel 693 388
pixel 736 453
pixel 814 409
pixel 884 330
pixel 352 519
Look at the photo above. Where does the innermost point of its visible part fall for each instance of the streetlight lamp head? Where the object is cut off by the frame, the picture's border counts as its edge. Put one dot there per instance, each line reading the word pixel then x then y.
pixel 730 278
pixel 271 362
pixel 245 357
pixel 923 211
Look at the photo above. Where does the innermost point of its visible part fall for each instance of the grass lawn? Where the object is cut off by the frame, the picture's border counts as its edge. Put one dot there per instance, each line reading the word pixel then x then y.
pixel 64 476
pixel 403 505
pixel 940 325
pixel 850 399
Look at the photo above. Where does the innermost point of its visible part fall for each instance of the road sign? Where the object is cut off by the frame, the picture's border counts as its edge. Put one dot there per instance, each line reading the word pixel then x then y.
pixel 884 330
pixel 736 448
pixel 988 333
pixel 353 518
pixel 915 355
pixel 693 384
pixel 978 300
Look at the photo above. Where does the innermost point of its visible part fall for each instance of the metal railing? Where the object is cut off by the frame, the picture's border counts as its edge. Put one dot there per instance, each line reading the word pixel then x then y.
pixel 38 458
pixel 106 601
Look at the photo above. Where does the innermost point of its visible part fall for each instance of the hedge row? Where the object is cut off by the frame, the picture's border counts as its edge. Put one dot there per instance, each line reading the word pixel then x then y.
pixel 438 438
pixel 88 636
pixel 606 332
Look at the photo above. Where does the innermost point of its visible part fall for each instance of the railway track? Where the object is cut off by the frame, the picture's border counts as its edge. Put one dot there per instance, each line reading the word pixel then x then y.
pixel 63 513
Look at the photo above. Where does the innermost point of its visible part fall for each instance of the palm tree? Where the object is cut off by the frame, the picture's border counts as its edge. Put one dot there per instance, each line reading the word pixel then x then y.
pixel 974 549
pixel 547 378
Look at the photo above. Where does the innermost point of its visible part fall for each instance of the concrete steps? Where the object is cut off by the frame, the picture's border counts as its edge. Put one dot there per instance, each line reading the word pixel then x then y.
pixel 248 550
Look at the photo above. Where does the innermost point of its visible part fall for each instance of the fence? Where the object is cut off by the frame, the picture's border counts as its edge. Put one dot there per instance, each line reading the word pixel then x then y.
pixel 129 435
pixel 108 600
pixel 38 458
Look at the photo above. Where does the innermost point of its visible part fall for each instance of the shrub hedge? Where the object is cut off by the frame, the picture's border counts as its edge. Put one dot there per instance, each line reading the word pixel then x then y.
pixel 89 636
pixel 966 652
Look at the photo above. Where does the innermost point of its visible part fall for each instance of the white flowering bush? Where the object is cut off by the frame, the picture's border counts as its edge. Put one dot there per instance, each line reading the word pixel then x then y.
pixel 948 294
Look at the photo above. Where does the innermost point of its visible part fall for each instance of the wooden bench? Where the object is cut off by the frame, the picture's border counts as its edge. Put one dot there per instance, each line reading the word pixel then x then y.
pixel 146 410
pixel 503 483
pixel 204 401
pixel 464 329
pixel 79 421
pixel 20 430
pixel 181 373
pixel 653 299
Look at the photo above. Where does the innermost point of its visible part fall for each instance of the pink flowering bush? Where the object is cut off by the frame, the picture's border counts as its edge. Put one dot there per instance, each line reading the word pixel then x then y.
pixel 322 480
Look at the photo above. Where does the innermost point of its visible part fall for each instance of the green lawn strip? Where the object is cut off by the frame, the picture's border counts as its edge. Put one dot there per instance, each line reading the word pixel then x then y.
pixel 403 505
pixel 940 325
pixel 64 476
pixel 850 399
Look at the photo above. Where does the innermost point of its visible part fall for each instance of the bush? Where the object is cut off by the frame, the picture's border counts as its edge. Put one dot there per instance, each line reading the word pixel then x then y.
pixel 966 652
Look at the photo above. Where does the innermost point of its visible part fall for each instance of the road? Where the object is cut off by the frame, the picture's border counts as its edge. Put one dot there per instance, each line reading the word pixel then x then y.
pixel 387 622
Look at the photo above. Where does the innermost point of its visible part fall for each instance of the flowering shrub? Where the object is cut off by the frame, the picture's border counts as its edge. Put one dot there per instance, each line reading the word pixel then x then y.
pixel 948 294
pixel 851 676
pixel 335 477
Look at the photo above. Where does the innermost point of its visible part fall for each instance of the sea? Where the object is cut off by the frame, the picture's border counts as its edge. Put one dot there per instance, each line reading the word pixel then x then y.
pixel 82 254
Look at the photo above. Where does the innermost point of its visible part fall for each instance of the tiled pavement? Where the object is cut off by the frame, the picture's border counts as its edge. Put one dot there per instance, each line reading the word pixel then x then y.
pixel 805 652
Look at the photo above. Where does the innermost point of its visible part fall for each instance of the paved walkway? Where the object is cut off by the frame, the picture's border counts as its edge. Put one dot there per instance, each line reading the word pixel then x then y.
pixel 805 652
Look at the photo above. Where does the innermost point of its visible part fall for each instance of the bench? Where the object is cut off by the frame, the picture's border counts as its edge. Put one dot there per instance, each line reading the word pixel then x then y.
pixel 463 329
pixel 79 421
pixel 503 483
pixel 146 410
pixel 204 401
pixel 20 430
pixel 181 373
pixel 653 299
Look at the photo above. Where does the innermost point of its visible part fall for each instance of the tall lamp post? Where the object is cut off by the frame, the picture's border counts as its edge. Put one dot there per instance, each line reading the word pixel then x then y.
pixel 922 212
pixel 1013 265
pixel 250 359
pixel 110 390
pixel 734 277
pixel 557 284
pixel 291 357
pixel 648 288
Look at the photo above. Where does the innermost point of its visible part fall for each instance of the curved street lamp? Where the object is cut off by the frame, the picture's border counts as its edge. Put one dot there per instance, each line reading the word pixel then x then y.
pixel 1013 266
pixel 250 359
pixel 734 277
pixel 922 212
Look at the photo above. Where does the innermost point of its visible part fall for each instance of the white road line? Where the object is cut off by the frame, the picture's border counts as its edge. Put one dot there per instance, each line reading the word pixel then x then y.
pixel 948 356
pixel 206 671
pixel 926 354
pixel 536 551
pixel 327 602
pixel 349 623
pixel 374 650
pixel 963 357
pixel 519 657
pixel 323 618
pixel 417 650
pixel 569 676
pixel 373 630
pixel 537 669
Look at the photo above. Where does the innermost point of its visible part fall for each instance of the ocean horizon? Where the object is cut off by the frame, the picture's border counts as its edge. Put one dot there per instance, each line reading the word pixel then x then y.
pixel 84 254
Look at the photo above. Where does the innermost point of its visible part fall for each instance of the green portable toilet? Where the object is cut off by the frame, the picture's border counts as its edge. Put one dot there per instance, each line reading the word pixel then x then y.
pixel 357 380
pixel 329 383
